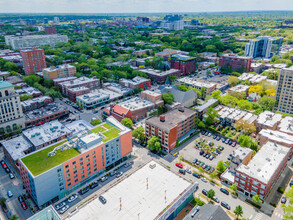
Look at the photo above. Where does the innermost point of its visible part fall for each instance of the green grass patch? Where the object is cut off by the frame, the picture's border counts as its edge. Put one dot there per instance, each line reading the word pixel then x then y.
pixel 40 162
pixel 109 134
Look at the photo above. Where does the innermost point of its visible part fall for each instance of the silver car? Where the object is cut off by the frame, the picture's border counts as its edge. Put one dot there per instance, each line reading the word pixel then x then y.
pixel 64 209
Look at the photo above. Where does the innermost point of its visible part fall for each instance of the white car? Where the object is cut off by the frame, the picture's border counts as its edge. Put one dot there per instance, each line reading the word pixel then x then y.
pixel 60 205
pixel 72 198
pixel 204 179
pixel 188 171
pixel 104 178
pixel 64 209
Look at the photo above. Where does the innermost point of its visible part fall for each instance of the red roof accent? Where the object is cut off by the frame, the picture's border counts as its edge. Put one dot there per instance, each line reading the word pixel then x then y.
pixel 106 110
pixel 120 110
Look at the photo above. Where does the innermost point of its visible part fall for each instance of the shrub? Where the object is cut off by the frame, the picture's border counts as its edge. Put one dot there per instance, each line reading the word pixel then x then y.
pixel 197 201
pixel 281 190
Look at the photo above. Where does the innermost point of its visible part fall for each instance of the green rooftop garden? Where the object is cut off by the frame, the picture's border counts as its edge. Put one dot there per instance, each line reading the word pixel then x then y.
pixel 40 162
pixel 108 131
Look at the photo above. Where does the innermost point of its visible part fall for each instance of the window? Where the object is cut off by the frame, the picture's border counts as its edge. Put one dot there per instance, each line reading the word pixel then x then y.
pixel 66 166
pixel 95 161
pixel 89 173
pixel 68 180
pixel 75 175
pixel 68 175
pixel 94 152
pixel 76 180
pixel 82 176
pixel 88 160
pixel 67 171
pixel 74 167
pixel 80 159
pixel 87 156
pixel 95 169
pixel 69 184
pixel 95 165
pixel 74 162
pixel 82 172
pixel 88 164
pixel 75 171
pixel 94 157
pixel 81 164
pixel 81 168
pixel 59 170
pixel 88 168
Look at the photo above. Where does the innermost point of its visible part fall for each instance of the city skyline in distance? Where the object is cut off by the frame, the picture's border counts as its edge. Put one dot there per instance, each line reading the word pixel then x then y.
pixel 138 6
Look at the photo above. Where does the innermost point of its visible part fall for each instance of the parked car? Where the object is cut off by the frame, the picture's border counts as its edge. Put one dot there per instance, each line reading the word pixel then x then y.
pixel 20 199
pixel 194 161
pixel 227 141
pixel 127 164
pixel 224 191
pixel 210 134
pixel 291 183
pixel 195 211
pixel 234 144
pixel 102 200
pixel 212 157
pixel 11 176
pixel 204 166
pixel 179 165
pixel 104 178
pixel 119 174
pixel 188 171
pixel 203 132
pixel 182 171
pixel 283 200
pixel 223 140
pixel 218 138
pixel 198 162
pixel 201 152
pixel 205 192
pixel 72 198
pixel 204 155
pixel 208 156
pixel 221 148
pixel 204 179
pixel 225 205
pixel 23 205
pixel 201 164
pixel 7 170
pixel 60 205
pixel 9 194
pixel 196 175
pixel 64 209
pixel 230 142
pixel 215 136
pixel 216 199
pixel 113 173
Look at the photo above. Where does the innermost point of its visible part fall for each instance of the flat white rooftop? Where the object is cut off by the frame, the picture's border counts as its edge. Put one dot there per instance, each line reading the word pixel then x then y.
pixel 266 161
pixel 286 125
pixel 268 118
pixel 239 88
pixel 277 136
pixel 136 197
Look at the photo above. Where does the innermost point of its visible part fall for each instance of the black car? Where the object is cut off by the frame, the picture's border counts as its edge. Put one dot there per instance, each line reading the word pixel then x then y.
pixel 102 199
pixel 283 200
pixel 203 132
pixel 194 161
pixel 224 191
pixel 7 170
pixel 196 175
pixel 205 192
pixel 291 183
pixel 224 140
pixel 225 205
pixel 182 171
pixel 230 142
pixel 201 152
pixel 20 199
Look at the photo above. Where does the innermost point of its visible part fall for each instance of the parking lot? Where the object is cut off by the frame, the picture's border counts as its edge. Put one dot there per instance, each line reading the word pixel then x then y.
pixel 190 153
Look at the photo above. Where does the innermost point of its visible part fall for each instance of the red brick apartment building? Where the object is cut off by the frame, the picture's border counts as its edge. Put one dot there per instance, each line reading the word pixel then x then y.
pixel 235 62
pixel 262 172
pixel 33 60
pixel 50 30
pixel 171 126
pixel 184 63
pixel 136 83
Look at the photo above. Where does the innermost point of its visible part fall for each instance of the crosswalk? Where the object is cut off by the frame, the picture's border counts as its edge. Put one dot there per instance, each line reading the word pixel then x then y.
pixel 258 216
pixel 278 215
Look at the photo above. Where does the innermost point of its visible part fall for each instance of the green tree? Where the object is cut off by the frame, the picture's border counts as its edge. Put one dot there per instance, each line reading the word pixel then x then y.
pixel 168 98
pixel 3 202
pixel 267 103
pixel 221 167
pixel 14 217
pixel 288 210
pixel 256 200
pixel 234 189
pixel 24 97
pixel 238 211
pixel 138 133
pixel 213 175
pixel 127 122
pixel 201 124
pixel 233 80
pixel 245 140
pixel 212 115
pixel 154 144
pixel 32 79
pixel 211 194
pixel 95 122
pixel 203 91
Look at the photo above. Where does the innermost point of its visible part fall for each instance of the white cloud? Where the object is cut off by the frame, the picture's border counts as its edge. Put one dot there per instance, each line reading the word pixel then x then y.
pixel 124 6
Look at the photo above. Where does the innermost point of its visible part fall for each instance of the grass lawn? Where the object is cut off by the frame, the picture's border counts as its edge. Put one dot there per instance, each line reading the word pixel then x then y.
pixel 110 134
pixel 40 162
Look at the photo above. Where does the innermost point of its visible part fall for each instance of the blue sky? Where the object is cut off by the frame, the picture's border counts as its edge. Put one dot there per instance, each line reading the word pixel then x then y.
pixel 133 6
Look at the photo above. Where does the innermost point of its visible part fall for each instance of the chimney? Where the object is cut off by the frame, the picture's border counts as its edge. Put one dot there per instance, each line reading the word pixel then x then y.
pixel 162 118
